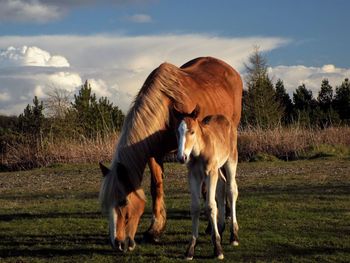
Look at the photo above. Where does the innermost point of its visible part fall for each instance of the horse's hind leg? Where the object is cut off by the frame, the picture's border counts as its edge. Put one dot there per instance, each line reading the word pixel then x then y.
pixel 159 212
pixel 231 166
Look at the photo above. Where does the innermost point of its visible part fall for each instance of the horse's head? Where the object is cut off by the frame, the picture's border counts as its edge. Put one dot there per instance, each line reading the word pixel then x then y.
pixel 186 131
pixel 128 206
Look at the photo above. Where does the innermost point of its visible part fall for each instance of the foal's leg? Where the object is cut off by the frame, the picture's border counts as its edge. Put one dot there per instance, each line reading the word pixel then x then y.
pixel 220 200
pixel 195 182
pixel 231 166
pixel 211 180
pixel 159 212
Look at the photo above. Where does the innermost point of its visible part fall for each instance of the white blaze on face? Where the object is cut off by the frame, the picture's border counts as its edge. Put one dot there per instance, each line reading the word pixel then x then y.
pixel 112 225
pixel 182 139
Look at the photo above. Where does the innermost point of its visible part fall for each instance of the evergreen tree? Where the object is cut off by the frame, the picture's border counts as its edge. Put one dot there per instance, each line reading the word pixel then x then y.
pixel 325 96
pixel 31 121
pixel 262 108
pixel 286 103
pixel 341 101
pixel 83 109
pixel 305 106
pixel 327 116
pixel 95 117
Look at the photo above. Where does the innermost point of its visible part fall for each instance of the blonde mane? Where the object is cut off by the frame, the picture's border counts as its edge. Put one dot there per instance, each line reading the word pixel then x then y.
pixel 148 115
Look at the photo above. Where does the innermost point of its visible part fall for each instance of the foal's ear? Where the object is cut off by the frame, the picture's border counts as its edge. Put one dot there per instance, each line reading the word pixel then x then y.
pixel 104 169
pixel 178 115
pixel 195 113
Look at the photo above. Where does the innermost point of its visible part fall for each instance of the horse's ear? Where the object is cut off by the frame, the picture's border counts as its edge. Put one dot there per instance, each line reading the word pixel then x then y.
pixel 195 113
pixel 104 169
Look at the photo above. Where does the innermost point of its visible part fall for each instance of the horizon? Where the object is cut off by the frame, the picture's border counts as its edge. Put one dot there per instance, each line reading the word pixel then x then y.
pixel 116 44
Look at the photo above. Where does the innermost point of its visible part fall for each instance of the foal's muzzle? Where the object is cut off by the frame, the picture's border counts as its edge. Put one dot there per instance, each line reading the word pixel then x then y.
pixel 182 158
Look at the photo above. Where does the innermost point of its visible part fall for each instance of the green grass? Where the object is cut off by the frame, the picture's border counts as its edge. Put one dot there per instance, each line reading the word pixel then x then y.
pixel 287 211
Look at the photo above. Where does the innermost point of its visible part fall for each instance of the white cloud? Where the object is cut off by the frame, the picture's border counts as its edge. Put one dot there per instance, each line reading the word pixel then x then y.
pixel 116 65
pixel 30 56
pixel 99 87
pixel 293 76
pixel 140 18
pixel 4 96
pixel 31 10
pixel 63 80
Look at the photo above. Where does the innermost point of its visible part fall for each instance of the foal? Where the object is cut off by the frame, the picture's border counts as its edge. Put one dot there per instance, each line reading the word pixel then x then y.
pixel 206 146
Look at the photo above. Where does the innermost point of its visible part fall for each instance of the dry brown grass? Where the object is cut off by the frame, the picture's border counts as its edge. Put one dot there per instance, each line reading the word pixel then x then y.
pixel 29 155
pixel 253 144
pixel 292 143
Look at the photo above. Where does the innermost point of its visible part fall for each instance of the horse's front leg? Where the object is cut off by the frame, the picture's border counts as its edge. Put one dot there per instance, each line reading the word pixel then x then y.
pixel 211 180
pixel 159 212
pixel 195 182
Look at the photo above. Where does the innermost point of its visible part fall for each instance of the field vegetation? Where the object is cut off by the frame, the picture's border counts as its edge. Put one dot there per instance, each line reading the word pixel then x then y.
pixel 294 211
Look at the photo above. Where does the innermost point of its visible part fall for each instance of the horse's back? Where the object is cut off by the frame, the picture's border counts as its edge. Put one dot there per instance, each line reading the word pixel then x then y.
pixel 215 86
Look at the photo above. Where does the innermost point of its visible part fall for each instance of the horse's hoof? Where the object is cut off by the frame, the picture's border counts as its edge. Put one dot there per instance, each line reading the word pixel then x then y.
pixel 188 258
pixel 132 245
pixel 151 238
pixel 221 256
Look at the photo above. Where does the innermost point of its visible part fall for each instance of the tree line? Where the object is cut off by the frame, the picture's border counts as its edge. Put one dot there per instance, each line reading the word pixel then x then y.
pixel 57 118
pixel 266 105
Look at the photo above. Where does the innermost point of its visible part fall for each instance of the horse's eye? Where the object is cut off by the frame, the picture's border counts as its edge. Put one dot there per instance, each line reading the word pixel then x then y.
pixel 191 132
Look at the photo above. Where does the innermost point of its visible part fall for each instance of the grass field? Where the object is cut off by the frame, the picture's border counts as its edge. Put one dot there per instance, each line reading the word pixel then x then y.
pixel 287 211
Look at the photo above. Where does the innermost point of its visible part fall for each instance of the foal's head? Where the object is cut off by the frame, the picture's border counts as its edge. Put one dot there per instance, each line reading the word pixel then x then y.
pixel 186 131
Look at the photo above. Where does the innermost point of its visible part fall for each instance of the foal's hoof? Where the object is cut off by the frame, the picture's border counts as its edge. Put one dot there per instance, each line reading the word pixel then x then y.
pixel 221 256
pixel 235 243
pixel 188 258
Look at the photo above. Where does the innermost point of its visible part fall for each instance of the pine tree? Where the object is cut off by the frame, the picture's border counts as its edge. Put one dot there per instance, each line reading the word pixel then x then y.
pixel 327 115
pixel 341 101
pixel 31 121
pixel 286 103
pixel 83 108
pixel 305 106
pixel 95 117
pixel 262 108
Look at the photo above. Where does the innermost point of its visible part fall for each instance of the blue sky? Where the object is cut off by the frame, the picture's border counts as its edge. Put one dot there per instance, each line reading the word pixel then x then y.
pixel 115 44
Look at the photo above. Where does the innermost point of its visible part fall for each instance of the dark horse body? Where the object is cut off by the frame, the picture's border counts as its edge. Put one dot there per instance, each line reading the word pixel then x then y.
pixel 148 135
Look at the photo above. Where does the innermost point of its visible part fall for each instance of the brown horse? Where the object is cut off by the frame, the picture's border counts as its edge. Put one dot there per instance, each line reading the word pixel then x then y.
pixel 148 134
pixel 207 146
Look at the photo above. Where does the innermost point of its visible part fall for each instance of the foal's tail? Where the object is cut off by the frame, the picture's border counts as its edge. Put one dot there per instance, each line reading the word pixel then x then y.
pixel 222 175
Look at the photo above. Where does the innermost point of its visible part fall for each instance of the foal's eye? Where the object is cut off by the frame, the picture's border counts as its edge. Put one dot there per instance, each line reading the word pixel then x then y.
pixel 191 132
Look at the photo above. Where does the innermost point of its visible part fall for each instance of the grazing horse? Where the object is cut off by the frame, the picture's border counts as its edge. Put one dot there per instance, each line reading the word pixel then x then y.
pixel 206 146
pixel 148 135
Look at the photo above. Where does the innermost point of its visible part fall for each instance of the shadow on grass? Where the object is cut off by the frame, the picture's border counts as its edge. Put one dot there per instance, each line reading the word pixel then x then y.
pixel 48 196
pixel 297 190
pixel 29 216
pixel 34 245
pixel 284 249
